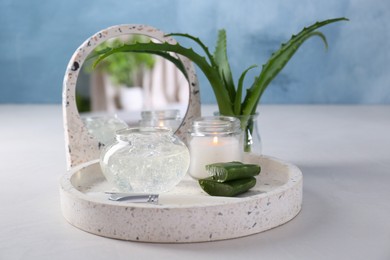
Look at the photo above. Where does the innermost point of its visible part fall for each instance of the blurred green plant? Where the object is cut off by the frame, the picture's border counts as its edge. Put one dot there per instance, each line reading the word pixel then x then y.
pixel 83 103
pixel 124 68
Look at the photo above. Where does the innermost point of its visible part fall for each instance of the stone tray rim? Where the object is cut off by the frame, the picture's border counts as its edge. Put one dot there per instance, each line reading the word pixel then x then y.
pixel 211 221
pixel 65 183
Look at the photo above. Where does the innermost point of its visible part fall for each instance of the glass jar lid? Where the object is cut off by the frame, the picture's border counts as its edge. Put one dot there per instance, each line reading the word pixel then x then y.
pixel 215 125
pixel 141 132
pixel 172 114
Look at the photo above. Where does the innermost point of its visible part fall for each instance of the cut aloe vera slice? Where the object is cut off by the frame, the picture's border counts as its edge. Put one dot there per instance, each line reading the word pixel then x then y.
pixel 229 171
pixel 227 189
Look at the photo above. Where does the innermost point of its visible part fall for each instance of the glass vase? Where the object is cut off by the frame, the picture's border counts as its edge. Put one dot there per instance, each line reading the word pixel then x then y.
pixel 252 140
pixel 251 136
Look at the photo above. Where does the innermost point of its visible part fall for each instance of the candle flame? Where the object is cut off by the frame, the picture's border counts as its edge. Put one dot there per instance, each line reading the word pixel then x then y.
pixel 215 140
pixel 161 124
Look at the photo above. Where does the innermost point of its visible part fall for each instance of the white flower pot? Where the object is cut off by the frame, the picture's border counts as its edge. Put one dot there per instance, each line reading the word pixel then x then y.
pixel 131 98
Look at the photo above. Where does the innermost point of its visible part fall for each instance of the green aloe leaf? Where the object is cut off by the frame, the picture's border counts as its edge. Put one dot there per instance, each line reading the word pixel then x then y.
pixel 237 101
pixel 221 59
pixel 178 63
pixel 277 62
pixel 199 42
pixel 218 61
pixel 96 53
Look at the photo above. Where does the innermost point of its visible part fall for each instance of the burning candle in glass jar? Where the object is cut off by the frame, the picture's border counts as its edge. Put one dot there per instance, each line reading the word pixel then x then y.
pixel 212 140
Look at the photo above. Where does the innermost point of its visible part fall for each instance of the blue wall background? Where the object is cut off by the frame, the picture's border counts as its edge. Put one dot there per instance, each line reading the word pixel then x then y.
pixel 38 38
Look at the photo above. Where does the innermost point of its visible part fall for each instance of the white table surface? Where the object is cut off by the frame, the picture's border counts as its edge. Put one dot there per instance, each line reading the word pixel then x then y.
pixel 343 152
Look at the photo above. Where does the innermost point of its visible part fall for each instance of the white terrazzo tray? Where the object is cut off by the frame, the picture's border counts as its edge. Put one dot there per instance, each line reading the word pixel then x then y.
pixel 186 214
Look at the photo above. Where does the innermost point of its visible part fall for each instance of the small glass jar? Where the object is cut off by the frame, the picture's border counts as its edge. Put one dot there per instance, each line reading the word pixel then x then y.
pixel 145 160
pixel 161 118
pixel 214 140
pixel 103 128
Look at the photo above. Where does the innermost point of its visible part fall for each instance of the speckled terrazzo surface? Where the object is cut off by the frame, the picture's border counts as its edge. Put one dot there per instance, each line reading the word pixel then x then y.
pixel 185 214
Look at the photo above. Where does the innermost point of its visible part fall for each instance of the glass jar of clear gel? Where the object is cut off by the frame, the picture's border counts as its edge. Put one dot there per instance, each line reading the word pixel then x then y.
pixel 145 160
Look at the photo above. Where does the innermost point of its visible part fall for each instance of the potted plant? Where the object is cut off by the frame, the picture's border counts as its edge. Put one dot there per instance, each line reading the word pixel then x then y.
pixel 125 70
pixel 215 67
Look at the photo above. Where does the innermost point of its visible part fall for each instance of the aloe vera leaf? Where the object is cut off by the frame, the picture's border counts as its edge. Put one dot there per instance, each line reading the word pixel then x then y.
pixel 314 33
pixel 227 189
pixel 237 101
pixel 277 62
pixel 176 61
pixel 199 42
pixel 258 82
pixel 221 59
pixel 212 75
pixel 96 53
pixel 228 171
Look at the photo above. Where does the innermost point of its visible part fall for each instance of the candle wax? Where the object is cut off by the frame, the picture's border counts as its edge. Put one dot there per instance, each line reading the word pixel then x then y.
pixel 205 150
